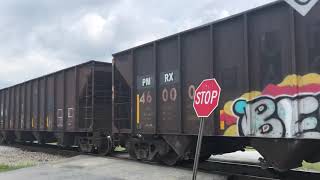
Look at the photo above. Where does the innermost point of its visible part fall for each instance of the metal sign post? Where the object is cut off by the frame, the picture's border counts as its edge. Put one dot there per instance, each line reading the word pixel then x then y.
pixel 205 101
pixel 197 155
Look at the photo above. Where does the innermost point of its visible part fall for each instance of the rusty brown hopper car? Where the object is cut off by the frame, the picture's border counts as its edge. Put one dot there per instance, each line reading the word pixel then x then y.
pixel 71 107
pixel 267 61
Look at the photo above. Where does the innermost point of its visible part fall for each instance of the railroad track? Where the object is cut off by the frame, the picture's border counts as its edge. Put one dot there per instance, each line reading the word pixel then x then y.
pixel 239 171
pixel 47 148
pixel 227 170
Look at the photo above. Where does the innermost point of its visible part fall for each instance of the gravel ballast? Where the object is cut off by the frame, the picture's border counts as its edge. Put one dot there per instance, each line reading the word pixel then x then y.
pixel 13 156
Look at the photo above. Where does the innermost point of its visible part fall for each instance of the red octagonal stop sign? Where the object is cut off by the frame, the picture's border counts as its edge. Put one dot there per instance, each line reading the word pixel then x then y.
pixel 206 97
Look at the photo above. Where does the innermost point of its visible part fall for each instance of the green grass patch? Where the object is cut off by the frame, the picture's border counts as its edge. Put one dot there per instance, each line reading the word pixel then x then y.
pixel 248 148
pixel 310 166
pixel 119 149
pixel 4 168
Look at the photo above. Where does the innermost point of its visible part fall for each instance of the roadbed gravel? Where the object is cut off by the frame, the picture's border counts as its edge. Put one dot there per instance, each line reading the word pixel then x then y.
pixel 18 156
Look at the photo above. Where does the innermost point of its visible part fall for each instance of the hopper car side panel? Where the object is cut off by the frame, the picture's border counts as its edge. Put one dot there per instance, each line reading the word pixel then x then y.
pixel 267 63
pixel 17 107
pixel 71 107
pixel 42 104
pixel 255 62
pixel 70 99
pixel 123 106
pixel 1 110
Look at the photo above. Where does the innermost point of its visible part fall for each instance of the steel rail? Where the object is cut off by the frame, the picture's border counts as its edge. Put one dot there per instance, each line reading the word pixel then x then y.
pixel 228 170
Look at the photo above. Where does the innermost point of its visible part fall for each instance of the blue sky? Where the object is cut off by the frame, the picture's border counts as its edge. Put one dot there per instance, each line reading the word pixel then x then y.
pixel 42 36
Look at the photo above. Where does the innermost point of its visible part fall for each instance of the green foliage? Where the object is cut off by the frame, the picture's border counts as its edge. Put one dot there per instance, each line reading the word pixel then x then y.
pixel 4 168
pixel 310 166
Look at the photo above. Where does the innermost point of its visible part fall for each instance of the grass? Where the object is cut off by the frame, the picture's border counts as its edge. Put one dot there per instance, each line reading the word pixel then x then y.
pixel 248 148
pixel 4 168
pixel 120 149
pixel 310 166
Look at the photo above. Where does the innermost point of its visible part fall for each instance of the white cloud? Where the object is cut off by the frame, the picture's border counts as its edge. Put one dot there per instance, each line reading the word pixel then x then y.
pixel 38 37
pixel 93 24
pixel 33 65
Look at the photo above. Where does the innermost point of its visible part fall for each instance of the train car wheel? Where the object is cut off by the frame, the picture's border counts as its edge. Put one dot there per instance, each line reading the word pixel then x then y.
pixel 85 148
pixel 105 148
pixel 2 139
pixel 131 150
pixel 171 158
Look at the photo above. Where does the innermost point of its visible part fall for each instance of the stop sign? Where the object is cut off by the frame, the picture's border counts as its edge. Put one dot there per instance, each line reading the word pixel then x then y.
pixel 206 97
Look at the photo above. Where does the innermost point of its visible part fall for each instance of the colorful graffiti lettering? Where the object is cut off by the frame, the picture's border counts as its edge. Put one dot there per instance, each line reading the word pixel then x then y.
pixel 289 109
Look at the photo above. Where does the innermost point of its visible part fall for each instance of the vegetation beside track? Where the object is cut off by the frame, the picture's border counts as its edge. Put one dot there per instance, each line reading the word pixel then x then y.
pixel 310 166
pixel 4 167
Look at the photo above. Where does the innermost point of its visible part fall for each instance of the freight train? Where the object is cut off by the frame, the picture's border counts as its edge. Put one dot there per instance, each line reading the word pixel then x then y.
pixel 71 107
pixel 266 60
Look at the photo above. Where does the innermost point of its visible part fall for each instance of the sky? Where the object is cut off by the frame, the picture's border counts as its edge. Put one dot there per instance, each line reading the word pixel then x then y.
pixel 38 37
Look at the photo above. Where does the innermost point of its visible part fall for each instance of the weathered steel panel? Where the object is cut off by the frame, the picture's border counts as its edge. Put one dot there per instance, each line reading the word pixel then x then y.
pixel 6 108
pixel 102 97
pixel 42 104
pixel 11 107
pixel 85 97
pixel 122 102
pixel 28 105
pixel 17 107
pixel 70 99
pixel 60 100
pixel 1 110
pixel 35 105
pixel 145 89
pixel 269 54
pixel 197 65
pixel 307 37
pixel 230 68
pixel 67 100
pixel 50 99
pixel 22 106
pixel 269 45
pixel 6 111
pixel 169 114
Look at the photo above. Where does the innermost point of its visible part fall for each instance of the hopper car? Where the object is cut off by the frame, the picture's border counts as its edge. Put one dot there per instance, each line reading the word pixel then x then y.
pixel 71 107
pixel 266 60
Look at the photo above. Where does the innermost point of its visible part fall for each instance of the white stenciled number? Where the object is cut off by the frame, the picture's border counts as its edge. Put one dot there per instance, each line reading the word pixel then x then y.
pixel 149 97
pixel 173 94
pixel 165 95
pixel 191 91
pixel 146 97
pixel 142 98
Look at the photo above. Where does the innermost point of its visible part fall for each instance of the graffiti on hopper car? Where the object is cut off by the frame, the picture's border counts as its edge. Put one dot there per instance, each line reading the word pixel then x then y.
pixel 289 109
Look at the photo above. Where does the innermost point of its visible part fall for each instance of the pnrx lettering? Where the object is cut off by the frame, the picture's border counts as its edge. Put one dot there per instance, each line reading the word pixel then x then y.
pixel 168 77
pixel 146 82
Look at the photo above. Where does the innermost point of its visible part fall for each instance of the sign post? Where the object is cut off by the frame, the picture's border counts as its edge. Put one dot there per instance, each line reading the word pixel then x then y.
pixel 198 149
pixel 205 101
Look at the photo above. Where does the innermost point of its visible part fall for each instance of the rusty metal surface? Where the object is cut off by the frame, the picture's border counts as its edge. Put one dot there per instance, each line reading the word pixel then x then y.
pixel 266 54
pixel 34 105
pixel 169 99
